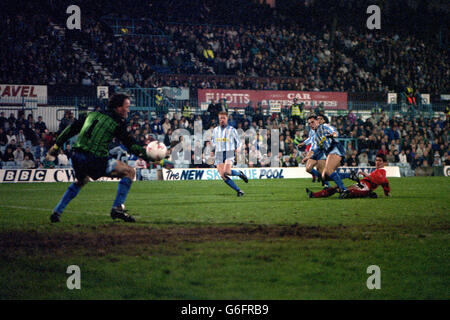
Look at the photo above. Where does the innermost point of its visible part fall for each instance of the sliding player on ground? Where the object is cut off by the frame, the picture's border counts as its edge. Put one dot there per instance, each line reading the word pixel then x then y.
pixel 225 141
pixel 364 188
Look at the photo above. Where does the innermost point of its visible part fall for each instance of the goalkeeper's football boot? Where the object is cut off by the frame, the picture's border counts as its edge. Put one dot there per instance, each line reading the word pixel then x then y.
pixel 309 192
pixel 240 193
pixel 243 176
pixel 121 213
pixel 54 217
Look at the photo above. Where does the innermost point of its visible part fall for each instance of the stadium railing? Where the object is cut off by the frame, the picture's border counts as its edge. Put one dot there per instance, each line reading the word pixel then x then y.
pixel 398 109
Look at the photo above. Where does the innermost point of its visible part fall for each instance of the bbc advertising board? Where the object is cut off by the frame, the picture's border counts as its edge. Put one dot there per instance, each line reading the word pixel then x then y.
pixel 41 175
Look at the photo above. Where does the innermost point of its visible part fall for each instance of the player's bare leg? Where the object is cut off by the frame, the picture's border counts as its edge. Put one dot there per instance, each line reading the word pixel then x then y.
pixel 225 171
pixel 310 164
pixel 221 169
pixel 331 164
pixel 122 170
pixel 227 168
pixel 320 167
pixel 127 175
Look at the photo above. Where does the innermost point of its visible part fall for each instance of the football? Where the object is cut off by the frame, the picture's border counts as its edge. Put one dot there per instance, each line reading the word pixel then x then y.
pixel 156 150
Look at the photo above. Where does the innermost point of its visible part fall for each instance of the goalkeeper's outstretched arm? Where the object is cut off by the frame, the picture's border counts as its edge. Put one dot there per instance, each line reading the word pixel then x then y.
pixel 69 132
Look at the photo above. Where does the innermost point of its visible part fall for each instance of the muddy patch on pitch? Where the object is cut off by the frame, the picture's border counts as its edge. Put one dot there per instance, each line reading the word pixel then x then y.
pixel 119 238
pixel 135 240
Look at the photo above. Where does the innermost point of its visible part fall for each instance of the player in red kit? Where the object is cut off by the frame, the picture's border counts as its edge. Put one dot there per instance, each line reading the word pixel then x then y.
pixel 363 188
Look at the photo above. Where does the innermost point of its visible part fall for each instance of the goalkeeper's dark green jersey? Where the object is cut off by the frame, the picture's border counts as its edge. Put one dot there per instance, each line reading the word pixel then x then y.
pixel 96 131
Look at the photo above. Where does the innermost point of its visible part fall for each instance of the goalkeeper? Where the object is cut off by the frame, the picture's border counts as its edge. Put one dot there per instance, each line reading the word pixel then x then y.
pixel 90 159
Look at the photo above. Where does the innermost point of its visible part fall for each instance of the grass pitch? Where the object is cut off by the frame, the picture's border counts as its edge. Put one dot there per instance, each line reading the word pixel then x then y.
pixel 197 240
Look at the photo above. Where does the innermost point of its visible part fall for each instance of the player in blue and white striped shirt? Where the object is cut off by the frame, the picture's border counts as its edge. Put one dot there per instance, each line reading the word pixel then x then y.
pixel 315 157
pixel 225 141
pixel 325 138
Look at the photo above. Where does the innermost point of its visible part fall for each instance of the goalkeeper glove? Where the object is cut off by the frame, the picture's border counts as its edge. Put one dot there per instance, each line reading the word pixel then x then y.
pixel 52 153
pixel 166 164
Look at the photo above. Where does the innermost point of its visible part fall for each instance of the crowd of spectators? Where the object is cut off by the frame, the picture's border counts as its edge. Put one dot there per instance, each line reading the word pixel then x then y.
pixel 319 59
pixel 205 44
pixel 34 52
pixel 354 62
pixel 418 142
pixel 24 141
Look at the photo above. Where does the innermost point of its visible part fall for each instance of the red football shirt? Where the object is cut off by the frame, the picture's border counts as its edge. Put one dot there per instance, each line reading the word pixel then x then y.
pixel 377 178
